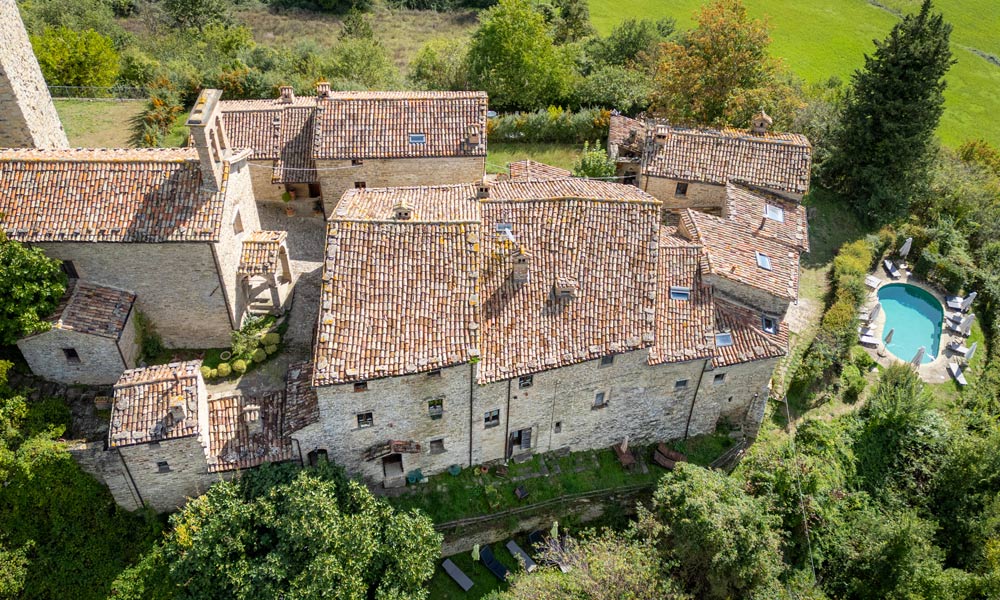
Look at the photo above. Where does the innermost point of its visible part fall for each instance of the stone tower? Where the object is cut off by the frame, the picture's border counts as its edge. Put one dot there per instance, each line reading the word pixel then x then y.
pixel 28 118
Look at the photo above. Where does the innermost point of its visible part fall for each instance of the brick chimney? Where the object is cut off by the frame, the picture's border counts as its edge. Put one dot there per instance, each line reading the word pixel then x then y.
pixel 483 191
pixel 287 94
pixel 520 264
pixel 209 138
pixel 402 211
pixel 176 410
pixel 323 89
pixel 760 123
pixel 252 419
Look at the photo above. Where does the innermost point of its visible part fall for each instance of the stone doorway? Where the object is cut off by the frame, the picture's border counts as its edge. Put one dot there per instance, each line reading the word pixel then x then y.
pixel 392 468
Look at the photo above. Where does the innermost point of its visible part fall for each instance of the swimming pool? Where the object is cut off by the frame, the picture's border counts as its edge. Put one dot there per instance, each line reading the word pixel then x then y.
pixel 915 317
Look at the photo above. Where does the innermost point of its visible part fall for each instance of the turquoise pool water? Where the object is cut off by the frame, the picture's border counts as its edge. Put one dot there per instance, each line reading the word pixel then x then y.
pixel 915 316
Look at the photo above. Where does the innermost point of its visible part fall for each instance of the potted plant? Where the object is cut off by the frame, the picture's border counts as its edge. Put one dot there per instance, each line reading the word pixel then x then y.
pixel 287 197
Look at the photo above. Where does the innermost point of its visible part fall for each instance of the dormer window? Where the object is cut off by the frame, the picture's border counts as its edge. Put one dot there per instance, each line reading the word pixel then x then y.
pixel 418 138
pixel 775 213
pixel 763 261
pixel 681 190
pixel 678 292
pixel 723 340
pixel 769 325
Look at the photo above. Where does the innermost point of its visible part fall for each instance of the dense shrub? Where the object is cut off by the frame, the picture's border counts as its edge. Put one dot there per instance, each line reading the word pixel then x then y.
pixel 224 370
pixel 594 162
pixel 259 355
pixel 551 125
pixel 239 366
pixel 852 382
pixel 206 372
pixel 153 124
pixel 68 57
pixel 271 339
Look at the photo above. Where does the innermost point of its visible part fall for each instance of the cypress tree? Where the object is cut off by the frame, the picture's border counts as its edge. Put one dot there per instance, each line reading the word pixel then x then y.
pixel 884 143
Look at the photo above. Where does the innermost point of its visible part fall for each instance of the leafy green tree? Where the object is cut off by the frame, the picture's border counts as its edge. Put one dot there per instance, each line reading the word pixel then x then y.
pixel 884 144
pixel 281 531
pixel 615 87
pixel 569 19
pixel 196 14
pixel 513 57
pixel 357 63
pixel 721 73
pixel 31 286
pixel 594 162
pixel 725 543
pixel 69 57
pixel 151 126
pixel 357 25
pixel 633 40
pixel 440 65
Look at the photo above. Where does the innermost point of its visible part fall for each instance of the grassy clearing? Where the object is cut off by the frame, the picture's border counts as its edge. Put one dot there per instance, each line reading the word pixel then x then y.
pixel 97 123
pixel 442 586
pixel 500 154
pixel 822 39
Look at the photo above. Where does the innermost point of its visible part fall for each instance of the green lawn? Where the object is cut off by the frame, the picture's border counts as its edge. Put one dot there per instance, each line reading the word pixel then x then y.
pixel 819 39
pixel 97 123
pixel 500 154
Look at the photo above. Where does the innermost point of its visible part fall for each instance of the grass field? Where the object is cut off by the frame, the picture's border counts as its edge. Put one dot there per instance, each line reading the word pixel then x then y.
pixel 97 123
pixel 500 154
pixel 820 39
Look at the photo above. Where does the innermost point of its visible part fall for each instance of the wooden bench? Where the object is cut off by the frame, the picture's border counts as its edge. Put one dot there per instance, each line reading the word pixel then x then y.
pixel 457 574
pixel 667 457
pixel 624 456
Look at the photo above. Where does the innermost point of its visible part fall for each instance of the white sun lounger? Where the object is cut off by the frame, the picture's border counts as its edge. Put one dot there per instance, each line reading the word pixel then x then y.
pixel 517 552
pixel 873 282
pixel 958 348
pixel 868 340
pixel 957 373
pixel 891 269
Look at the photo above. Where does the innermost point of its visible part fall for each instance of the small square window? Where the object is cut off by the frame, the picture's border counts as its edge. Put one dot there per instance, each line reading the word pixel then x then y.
pixel 769 325
pixel 162 467
pixel 525 381
pixel 681 190
pixel 365 420
pixel 437 446
pixel 357 162
pixel 558 427
pixel 719 378
pixel 607 361
pixel 238 223
pixel 359 185
pixel 678 292
pixel 775 213
pixel 763 261
pixel 722 340
pixel 680 384
pixel 435 408
pixel 600 400
pixel 418 138
pixel 491 418
pixel 71 355
pixel 434 373
pixel 361 386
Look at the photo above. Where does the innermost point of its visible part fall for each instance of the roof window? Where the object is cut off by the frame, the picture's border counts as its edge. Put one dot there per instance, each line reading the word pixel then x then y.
pixel 723 340
pixel 678 292
pixel 418 138
pixel 775 213
pixel 763 261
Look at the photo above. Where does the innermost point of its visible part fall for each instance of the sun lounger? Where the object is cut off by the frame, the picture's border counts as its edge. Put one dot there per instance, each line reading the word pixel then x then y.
pixel 891 269
pixel 517 552
pixel 957 328
pixel 958 348
pixel 667 457
pixel 957 373
pixel 873 282
pixel 455 573
pixel 954 302
pixel 492 564
pixel 868 340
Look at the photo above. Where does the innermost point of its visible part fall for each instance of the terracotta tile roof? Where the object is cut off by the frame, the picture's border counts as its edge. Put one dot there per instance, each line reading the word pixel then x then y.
pixel 143 400
pixel 750 342
pixel 301 403
pixel 358 125
pixel 257 104
pixel 730 251
pixel 431 204
pixel 397 298
pixel 684 328
pixel 107 195
pixel 295 162
pixel 604 250
pixel 747 205
pixel 779 161
pixel 93 309
pixel 258 130
pixel 529 170
pixel 232 444
pixel 578 188
pixel 621 127
pixel 260 252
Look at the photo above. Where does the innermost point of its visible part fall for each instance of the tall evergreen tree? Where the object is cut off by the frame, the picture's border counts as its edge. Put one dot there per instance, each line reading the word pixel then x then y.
pixel 885 140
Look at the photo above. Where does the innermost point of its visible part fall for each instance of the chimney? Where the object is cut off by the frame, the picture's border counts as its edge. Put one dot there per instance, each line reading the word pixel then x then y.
pixel 252 419
pixel 176 410
pixel 402 211
pixel 566 288
pixel 483 191
pixel 520 263
pixel 209 138
pixel 473 136
pixel 660 137
pixel 323 89
pixel 760 123
pixel 287 94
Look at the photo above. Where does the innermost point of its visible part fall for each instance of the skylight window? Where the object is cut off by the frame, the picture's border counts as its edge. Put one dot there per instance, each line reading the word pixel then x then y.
pixel 418 138
pixel 723 340
pixel 680 293
pixel 775 213
pixel 769 325
pixel 763 261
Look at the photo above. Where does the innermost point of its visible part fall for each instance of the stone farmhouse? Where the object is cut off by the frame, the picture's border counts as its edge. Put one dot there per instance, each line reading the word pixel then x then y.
pixel 176 228
pixel 466 324
pixel 318 147
pixel 689 168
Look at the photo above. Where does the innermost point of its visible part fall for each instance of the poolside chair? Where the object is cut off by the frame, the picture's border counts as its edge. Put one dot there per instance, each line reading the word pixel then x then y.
pixel 963 327
pixel 957 348
pixel 867 339
pixel 873 282
pixel 957 373
pixel 959 303
pixel 457 574
pixel 492 564
pixel 518 553
pixel 890 268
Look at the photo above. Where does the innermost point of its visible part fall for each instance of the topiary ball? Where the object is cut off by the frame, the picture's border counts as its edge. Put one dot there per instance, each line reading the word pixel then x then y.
pixel 215 373
pixel 240 366
pixel 271 339
pixel 271 349
pixel 206 372
pixel 259 355
pixel 224 370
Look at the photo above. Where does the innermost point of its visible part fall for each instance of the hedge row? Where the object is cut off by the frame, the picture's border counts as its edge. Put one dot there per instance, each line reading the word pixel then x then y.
pixel 553 125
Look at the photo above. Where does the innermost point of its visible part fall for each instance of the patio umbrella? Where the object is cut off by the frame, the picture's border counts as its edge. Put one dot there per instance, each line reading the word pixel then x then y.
pixel 888 337
pixel 875 311
pixel 966 325
pixel 968 301
pixel 972 351
pixel 905 250
pixel 918 357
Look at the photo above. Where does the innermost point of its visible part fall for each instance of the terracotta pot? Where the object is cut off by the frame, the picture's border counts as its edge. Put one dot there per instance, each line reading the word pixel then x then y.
pixel 289 211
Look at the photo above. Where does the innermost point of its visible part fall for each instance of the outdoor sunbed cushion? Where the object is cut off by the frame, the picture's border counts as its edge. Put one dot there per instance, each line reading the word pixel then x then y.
pixel 457 574
pixel 517 552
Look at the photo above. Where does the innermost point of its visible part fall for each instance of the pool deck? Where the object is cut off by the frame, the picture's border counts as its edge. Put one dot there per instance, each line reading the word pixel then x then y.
pixel 935 371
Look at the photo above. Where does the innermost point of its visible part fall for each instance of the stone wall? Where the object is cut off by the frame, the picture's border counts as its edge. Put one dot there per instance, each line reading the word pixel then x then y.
pixel 749 296
pixel 187 476
pixel 395 172
pixel 239 200
pixel 100 361
pixel 28 119
pixel 128 342
pixel 107 467
pixel 261 172
pixel 177 284
pixel 645 403
pixel 701 196
pixel 733 398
